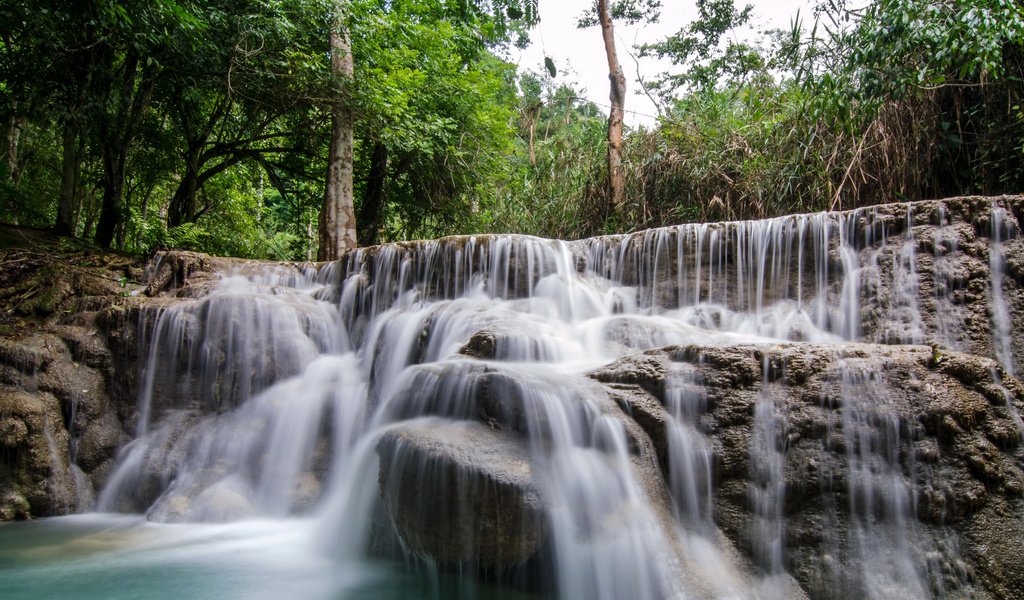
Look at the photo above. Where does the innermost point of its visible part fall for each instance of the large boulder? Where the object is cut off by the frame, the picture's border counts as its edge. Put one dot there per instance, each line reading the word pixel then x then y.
pixel 461 492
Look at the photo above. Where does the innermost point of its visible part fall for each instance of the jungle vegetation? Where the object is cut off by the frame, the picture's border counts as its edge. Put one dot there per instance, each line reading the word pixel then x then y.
pixel 207 125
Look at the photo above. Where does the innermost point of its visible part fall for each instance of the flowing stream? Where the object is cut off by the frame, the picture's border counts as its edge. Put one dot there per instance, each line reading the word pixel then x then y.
pixel 257 465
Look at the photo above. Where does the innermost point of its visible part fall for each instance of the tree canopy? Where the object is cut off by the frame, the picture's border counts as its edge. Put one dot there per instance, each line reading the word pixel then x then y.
pixel 175 123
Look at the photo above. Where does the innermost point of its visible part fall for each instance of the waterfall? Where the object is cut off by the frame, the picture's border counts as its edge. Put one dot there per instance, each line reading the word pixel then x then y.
pixel 1001 324
pixel 880 499
pixel 450 409
pixel 767 482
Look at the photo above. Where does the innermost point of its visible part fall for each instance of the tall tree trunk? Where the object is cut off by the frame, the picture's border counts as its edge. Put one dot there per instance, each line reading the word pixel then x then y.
pixel 616 178
pixel 337 215
pixel 533 154
pixel 12 138
pixel 371 212
pixel 112 209
pixel 143 216
pixel 117 133
pixel 182 208
pixel 70 170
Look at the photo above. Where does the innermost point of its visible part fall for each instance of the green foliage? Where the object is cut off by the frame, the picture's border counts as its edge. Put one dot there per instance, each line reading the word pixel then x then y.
pixel 213 118
pixel 554 190
pixel 901 100
pixel 33 179
pixel 156 95
pixel 440 106
pixel 700 49
pixel 549 65
pixel 937 44
pixel 624 11
pixel 242 222
pixel 723 154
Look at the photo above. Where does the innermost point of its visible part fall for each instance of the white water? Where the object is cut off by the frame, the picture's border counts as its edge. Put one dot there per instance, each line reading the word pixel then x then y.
pixel 262 404
pixel 880 497
pixel 767 482
pixel 1001 325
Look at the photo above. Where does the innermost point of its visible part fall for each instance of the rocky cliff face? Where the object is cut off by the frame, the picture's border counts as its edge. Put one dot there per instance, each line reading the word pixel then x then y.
pixel 905 439
pixel 69 360
pixel 60 378
pixel 873 429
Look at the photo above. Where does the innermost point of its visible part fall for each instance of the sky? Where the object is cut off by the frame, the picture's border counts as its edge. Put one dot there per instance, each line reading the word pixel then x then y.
pixel 579 54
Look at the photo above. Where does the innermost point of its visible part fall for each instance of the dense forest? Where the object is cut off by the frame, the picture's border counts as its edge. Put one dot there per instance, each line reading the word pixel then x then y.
pixel 140 125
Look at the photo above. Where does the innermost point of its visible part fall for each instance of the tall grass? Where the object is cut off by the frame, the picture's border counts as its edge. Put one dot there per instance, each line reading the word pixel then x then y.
pixel 756 153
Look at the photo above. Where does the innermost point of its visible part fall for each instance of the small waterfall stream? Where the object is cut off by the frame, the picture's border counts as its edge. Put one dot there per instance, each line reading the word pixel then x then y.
pixel 430 409
pixel 1001 324
pixel 880 501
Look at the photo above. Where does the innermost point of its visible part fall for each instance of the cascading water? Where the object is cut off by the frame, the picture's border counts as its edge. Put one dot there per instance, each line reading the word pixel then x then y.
pixel 946 247
pixel 433 401
pixel 1001 324
pixel 880 499
pixel 1002 328
pixel 691 458
pixel 768 484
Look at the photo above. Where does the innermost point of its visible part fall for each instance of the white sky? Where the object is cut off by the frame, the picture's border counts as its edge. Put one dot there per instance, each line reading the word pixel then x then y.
pixel 579 54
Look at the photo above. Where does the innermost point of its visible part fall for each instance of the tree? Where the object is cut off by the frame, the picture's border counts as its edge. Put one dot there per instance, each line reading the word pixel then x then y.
pixel 557 185
pixel 135 45
pixel 960 65
pixel 631 11
pixel 44 75
pixel 435 122
pixel 700 50
pixel 617 97
pixel 246 94
pixel 337 215
pixel 471 28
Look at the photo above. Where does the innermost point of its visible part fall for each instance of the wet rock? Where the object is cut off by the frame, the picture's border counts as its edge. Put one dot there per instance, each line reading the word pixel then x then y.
pixel 35 476
pixel 78 387
pixel 950 429
pixel 28 355
pixel 461 492
pixel 992 543
pixel 83 434
pixel 87 345
pixel 647 371
pixel 482 345
pixel 647 411
pixel 725 366
pixel 13 432
pixel 175 270
pixel 98 443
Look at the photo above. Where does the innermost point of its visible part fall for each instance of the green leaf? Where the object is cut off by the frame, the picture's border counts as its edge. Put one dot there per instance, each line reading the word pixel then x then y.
pixel 549 64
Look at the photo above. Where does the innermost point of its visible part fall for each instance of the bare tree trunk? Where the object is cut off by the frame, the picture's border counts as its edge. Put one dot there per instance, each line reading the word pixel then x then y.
pixel 371 211
pixel 337 215
pixel 70 169
pixel 616 178
pixel 309 238
pixel 143 216
pixel 533 154
pixel 117 132
pixel 12 137
pixel 112 207
pixel 183 208
pixel 92 211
